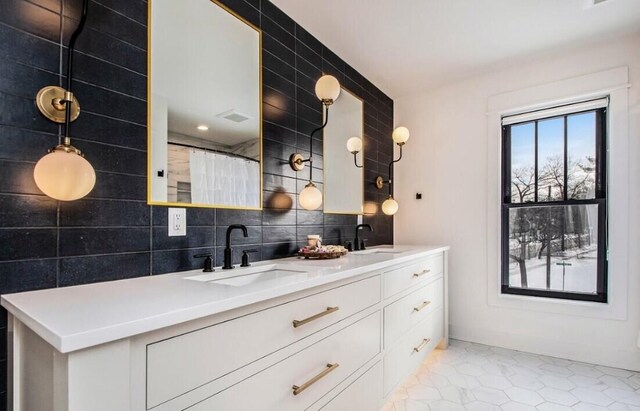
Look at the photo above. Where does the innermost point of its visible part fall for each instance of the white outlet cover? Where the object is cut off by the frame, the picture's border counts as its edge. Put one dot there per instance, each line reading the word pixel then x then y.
pixel 177 222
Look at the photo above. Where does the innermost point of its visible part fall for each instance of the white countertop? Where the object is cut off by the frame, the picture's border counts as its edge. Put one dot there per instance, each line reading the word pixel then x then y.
pixel 74 318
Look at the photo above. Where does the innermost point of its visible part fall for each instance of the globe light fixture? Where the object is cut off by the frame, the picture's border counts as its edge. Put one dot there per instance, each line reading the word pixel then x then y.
pixel 310 197
pixel 327 91
pixel 390 206
pixel 354 145
pixel 64 173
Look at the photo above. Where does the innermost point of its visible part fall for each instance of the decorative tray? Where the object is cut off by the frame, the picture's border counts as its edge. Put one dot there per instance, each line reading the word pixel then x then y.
pixel 322 253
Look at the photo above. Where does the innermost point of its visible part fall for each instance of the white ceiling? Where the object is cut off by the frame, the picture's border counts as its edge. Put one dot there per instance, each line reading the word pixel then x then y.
pixel 408 45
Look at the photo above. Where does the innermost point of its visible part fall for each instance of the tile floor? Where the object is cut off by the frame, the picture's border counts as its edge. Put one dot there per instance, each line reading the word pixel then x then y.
pixel 478 377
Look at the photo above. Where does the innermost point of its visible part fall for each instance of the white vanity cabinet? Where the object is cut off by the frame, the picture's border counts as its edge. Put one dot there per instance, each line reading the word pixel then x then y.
pixel 340 342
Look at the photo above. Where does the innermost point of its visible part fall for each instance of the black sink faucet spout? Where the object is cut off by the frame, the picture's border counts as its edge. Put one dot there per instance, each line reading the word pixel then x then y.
pixel 359 244
pixel 227 249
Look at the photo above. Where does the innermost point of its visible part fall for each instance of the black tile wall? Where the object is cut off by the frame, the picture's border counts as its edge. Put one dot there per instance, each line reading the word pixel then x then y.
pixel 112 233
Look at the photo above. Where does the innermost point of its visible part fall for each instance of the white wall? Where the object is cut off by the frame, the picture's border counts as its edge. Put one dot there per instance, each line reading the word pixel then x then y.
pixel 446 160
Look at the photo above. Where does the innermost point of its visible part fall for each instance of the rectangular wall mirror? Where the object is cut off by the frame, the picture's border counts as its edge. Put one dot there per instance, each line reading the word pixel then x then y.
pixel 343 181
pixel 205 111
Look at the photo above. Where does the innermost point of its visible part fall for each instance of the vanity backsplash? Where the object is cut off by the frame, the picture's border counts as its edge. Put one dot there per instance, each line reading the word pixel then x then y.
pixel 112 233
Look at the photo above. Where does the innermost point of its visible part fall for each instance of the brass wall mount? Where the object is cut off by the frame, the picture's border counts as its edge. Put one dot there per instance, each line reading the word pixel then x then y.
pixel 52 101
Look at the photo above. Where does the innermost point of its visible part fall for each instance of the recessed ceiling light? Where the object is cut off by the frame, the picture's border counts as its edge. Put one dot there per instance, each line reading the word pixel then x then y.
pixel 202 127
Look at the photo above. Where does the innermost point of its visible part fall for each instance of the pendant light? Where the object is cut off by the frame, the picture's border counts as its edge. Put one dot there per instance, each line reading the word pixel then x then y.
pixel 327 91
pixel 390 206
pixel 64 174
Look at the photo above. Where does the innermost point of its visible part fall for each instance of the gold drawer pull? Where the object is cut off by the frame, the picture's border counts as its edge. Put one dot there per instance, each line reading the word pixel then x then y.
pixel 329 310
pixel 422 345
pixel 298 389
pixel 421 273
pixel 421 306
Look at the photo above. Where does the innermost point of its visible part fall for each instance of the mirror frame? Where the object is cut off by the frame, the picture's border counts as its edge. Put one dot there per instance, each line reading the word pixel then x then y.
pixel 260 103
pixel 324 170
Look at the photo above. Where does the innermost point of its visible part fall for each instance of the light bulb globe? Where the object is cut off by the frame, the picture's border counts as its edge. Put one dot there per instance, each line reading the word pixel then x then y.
pixel 354 145
pixel 390 206
pixel 64 175
pixel 400 135
pixel 327 89
pixel 310 197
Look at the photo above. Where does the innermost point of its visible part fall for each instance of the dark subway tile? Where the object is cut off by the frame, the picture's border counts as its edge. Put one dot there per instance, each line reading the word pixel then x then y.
pixel 28 49
pixel 119 186
pixel 133 9
pixel 109 103
pixel 17 177
pixel 180 260
pixel 280 67
pixel 274 132
pixel 271 11
pixel 102 213
pixel 93 269
pixel 276 99
pixel 27 211
pixel 309 55
pixel 273 46
pixel 18 276
pixel 225 217
pixel 305 37
pixel 31 18
pixel 105 74
pixel 196 237
pixel 277 234
pixel 278 250
pixel 274 182
pixel 22 80
pixel 87 241
pixel 114 159
pixel 307 217
pixel 22 112
pixel 195 216
pixel 107 48
pixel 94 127
pixel 271 217
pixel 27 243
pixel 277 32
pixel 277 82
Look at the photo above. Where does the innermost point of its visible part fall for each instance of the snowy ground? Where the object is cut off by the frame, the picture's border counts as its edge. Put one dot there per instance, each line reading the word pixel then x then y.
pixel 580 276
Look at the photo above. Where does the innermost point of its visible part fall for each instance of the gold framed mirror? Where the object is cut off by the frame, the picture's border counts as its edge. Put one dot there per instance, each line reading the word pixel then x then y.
pixel 204 125
pixel 344 171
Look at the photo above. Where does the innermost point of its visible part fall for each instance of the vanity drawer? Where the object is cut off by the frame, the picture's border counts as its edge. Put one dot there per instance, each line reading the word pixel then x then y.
pixel 364 394
pixel 319 368
pixel 400 279
pixel 408 353
pixel 408 311
pixel 187 361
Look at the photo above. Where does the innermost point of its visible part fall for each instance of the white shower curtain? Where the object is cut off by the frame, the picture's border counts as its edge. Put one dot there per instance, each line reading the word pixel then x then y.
pixel 220 179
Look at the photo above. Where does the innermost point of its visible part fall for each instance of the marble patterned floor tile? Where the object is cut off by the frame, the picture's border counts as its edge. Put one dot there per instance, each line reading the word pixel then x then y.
pixel 476 377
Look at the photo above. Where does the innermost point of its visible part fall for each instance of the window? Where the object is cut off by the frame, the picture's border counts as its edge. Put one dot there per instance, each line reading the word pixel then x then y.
pixel 554 226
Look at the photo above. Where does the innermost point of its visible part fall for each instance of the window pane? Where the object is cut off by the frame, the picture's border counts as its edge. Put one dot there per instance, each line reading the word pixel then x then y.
pixel 522 162
pixel 554 248
pixel 581 147
pixel 551 159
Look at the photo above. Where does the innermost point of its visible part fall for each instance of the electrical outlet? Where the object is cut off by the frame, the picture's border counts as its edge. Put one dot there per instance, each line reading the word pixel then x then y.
pixel 177 222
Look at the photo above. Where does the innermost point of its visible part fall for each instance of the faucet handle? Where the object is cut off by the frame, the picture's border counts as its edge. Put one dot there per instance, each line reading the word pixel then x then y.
pixel 349 246
pixel 208 262
pixel 245 257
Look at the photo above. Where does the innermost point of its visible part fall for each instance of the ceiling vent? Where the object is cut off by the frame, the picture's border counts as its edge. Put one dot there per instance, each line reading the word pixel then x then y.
pixel 234 115
pixel 592 3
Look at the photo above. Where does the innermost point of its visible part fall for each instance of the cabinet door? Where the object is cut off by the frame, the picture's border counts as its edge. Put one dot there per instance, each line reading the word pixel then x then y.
pixel 314 371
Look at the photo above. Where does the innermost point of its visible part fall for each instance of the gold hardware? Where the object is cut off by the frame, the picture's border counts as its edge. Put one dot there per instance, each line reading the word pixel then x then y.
pixel 422 345
pixel 52 102
pixel 421 306
pixel 298 389
pixel 296 161
pixel 421 273
pixel 329 310
pixel 379 182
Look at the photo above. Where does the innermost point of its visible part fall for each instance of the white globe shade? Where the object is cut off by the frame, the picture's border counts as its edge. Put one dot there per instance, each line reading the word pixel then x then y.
pixel 390 206
pixel 310 197
pixel 328 88
pixel 354 145
pixel 64 176
pixel 400 135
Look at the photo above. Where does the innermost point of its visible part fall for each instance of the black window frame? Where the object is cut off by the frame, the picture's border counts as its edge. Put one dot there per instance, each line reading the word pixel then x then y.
pixel 600 200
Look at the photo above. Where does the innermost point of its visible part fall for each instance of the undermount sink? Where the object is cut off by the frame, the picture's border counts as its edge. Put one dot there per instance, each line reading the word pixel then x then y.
pixel 265 274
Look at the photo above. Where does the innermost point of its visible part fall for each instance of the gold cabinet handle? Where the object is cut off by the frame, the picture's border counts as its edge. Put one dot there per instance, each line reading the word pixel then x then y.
pixel 422 345
pixel 298 389
pixel 421 306
pixel 329 310
pixel 421 273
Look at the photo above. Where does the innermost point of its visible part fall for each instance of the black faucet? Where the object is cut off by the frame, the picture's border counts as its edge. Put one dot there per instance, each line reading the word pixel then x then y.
pixel 227 249
pixel 359 245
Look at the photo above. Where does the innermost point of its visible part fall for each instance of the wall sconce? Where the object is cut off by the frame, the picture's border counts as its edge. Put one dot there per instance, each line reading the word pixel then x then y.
pixel 390 206
pixel 354 145
pixel 63 173
pixel 327 91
